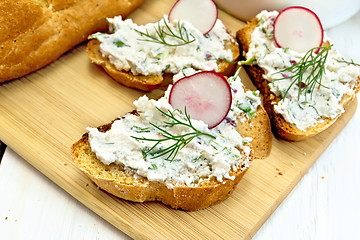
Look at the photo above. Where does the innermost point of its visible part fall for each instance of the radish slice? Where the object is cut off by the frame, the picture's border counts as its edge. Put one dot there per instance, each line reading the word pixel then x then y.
pixel 298 28
pixel 206 96
pixel 201 13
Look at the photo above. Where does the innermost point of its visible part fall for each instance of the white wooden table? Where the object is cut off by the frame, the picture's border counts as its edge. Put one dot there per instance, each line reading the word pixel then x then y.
pixel 324 205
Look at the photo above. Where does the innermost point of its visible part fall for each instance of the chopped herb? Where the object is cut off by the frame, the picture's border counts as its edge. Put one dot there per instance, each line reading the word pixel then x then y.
pixel 120 43
pixel 335 92
pixel 197 158
pixel 260 21
pixel 153 167
pixel 247 108
pixel 140 129
pixel 312 106
pixel 266 46
pixel 233 78
pixel 166 67
pixel 248 62
pixel 183 71
pixel 348 62
pixel 144 152
pixel 193 181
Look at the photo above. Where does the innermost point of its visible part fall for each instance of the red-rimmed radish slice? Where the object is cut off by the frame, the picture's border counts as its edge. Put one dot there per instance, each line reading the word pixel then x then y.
pixel 298 28
pixel 206 96
pixel 201 13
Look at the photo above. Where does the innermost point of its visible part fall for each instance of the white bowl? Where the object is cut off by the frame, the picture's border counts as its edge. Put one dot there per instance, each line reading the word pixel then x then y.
pixel 330 12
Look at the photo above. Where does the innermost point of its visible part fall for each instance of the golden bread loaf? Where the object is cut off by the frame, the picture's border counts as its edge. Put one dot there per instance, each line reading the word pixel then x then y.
pixel 33 33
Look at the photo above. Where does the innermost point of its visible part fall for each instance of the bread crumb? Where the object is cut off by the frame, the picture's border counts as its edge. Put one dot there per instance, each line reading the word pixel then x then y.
pixel 322 177
pixel 279 172
pixel 6 218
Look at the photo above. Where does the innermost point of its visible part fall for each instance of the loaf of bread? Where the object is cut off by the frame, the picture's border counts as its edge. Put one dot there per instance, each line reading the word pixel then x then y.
pixel 281 126
pixel 33 33
pixel 116 178
pixel 151 81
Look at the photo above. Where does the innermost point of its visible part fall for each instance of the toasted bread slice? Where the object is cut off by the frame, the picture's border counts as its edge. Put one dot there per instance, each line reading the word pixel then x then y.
pixel 280 126
pixel 150 82
pixel 145 83
pixel 258 128
pixel 34 33
pixel 114 179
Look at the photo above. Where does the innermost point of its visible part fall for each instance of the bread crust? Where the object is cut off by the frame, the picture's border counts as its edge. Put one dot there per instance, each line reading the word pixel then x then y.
pixel 113 179
pixel 34 33
pixel 280 127
pixel 148 83
pixel 257 127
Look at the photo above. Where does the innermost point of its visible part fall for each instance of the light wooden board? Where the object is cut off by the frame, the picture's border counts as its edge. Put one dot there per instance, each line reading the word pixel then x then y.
pixel 43 114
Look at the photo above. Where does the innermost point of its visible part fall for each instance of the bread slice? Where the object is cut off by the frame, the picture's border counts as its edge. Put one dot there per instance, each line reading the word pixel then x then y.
pixel 280 126
pixel 145 83
pixel 148 83
pixel 115 180
pixel 33 33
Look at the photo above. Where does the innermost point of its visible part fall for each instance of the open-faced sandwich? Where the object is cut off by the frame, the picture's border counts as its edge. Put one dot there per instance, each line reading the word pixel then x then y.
pixel 188 149
pixel 305 81
pixel 146 56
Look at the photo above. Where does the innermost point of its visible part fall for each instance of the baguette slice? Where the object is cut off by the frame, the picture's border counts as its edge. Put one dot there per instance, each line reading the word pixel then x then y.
pixel 113 179
pixel 148 83
pixel 33 33
pixel 281 128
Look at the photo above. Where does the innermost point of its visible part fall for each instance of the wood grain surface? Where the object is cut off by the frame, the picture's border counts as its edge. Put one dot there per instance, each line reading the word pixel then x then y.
pixel 43 114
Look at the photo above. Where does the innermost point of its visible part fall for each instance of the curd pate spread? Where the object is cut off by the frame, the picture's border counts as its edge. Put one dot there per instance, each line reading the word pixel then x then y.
pixel 127 47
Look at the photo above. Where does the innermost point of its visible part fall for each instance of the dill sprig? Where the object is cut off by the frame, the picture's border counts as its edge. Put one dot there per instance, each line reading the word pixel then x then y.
pixel 343 60
pixel 247 62
pixel 315 62
pixel 180 141
pixel 161 32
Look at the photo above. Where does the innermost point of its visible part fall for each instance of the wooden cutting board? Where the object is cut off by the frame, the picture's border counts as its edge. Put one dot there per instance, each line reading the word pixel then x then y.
pixel 43 114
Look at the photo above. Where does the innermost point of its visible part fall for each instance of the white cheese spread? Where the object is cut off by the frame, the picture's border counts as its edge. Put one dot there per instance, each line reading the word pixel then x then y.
pixel 133 48
pixel 203 158
pixel 309 109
